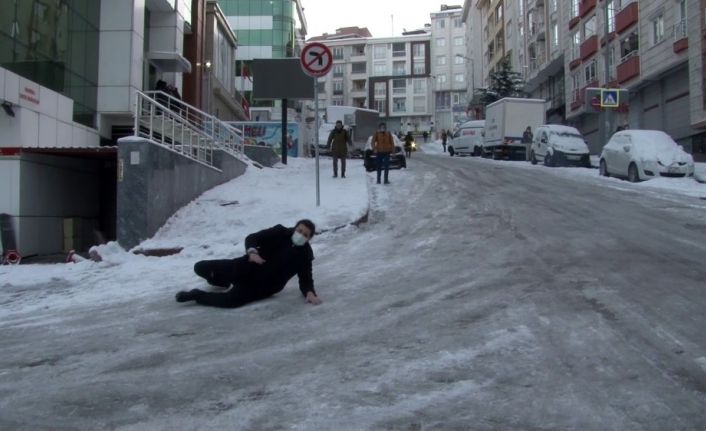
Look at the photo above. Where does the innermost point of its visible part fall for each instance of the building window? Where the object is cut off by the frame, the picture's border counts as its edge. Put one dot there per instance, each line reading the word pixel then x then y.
pixel 440 42
pixel 575 8
pixel 589 28
pixel 441 60
pixel 459 60
pixel 440 80
pixel 575 45
pixel 590 72
pixel 398 68
pixel 443 100
pixel 658 30
pixel 379 69
pixel 380 51
pixel 398 49
pixel 420 67
pixel 458 77
pixel 338 53
pixel 419 50
pixel 629 46
pixel 441 23
pixel 555 36
pixel 399 86
pixel 611 15
pixel 458 41
pixel 380 106
pixel 575 86
pixel 420 86
pixel 399 104
pixel 420 104
pixel 359 67
pixel 458 23
pixel 337 101
pixel 499 14
pixel 337 70
pixel 338 87
pixel 380 89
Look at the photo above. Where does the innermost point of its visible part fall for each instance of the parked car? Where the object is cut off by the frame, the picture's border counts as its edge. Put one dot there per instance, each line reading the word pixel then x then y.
pixel 397 159
pixel 468 139
pixel 558 145
pixel 644 154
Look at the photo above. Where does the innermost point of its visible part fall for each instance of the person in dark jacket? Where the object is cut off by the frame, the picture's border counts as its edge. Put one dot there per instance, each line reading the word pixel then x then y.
pixel 408 140
pixel 338 141
pixel 273 257
pixel 527 137
pixel 443 139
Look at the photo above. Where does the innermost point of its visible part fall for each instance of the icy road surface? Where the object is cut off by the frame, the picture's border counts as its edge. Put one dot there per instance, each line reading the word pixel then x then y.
pixel 481 295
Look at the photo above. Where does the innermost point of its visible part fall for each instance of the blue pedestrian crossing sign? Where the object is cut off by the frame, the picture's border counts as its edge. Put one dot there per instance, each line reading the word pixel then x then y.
pixel 610 97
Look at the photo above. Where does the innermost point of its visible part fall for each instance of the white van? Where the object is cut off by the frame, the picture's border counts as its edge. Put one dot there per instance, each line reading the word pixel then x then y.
pixel 468 139
pixel 558 145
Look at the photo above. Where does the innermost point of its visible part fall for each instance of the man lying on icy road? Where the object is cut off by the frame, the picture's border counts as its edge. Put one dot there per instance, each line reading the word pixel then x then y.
pixel 273 257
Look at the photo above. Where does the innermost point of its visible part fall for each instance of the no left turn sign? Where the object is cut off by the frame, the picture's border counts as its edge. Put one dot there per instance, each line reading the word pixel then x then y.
pixel 316 59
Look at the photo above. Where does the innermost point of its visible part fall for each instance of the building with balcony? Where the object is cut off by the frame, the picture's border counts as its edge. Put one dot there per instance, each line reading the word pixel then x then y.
pixel 448 67
pixel 545 40
pixel 391 75
pixel 471 17
pixel 638 46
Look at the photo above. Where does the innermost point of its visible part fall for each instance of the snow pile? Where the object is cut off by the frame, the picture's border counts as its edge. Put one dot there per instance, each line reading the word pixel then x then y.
pixel 213 226
pixel 657 145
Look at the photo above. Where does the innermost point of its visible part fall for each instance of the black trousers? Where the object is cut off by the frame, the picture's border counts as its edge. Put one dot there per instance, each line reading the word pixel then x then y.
pixel 249 282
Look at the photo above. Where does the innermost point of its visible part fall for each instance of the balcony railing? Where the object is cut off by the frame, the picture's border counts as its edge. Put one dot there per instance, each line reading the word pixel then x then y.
pixel 629 67
pixel 681 39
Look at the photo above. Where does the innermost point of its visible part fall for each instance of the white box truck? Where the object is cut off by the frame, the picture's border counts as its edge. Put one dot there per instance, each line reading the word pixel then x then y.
pixel 360 122
pixel 506 121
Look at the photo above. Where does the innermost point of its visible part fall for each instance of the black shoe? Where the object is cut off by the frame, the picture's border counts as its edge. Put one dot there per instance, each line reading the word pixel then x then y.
pixel 343 176
pixel 378 181
pixel 185 296
pixel 335 175
pixel 387 182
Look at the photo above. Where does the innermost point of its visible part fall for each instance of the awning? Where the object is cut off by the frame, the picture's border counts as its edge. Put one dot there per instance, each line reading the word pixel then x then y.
pixel 167 61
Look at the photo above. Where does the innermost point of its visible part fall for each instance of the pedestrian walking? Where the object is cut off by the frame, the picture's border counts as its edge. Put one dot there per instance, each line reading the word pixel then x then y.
pixel 449 145
pixel 408 140
pixel 338 141
pixel 382 145
pixel 425 135
pixel 443 139
pixel 273 256
pixel 527 137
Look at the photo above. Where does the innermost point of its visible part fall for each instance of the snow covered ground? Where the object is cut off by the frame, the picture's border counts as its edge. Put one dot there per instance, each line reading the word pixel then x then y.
pixel 454 307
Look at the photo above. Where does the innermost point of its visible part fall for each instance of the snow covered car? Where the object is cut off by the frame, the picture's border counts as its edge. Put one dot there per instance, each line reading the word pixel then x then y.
pixel 644 154
pixel 397 159
pixel 558 145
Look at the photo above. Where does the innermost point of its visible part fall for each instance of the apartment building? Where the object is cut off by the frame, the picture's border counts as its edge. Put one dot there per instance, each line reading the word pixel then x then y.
pixel 642 47
pixel 545 42
pixel 391 75
pixel 449 70
pixel 473 24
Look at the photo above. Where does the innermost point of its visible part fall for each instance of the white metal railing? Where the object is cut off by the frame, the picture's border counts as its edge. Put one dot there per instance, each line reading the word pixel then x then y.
pixel 680 30
pixel 629 55
pixel 183 128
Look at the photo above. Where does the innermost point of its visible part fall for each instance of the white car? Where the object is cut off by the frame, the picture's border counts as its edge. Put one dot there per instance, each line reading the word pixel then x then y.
pixel 644 154
pixel 558 145
pixel 468 139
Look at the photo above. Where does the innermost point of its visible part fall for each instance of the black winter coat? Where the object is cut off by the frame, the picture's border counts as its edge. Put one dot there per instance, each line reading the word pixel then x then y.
pixel 283 259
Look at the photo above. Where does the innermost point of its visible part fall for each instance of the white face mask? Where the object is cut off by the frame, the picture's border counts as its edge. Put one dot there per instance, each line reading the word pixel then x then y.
pixel 298 239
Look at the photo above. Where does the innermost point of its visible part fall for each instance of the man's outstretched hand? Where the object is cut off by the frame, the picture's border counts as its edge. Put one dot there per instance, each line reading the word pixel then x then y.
pixel 255 258
pixel 311 298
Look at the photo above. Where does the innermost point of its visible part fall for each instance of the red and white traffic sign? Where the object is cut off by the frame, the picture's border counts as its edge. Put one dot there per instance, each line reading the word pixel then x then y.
pixel 316 59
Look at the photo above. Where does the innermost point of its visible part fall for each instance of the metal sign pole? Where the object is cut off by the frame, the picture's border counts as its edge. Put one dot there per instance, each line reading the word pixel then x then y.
pixel 316 138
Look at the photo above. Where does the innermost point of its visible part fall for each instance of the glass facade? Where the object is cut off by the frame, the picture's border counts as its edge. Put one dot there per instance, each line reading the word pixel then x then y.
pixel 54 43
pixel 282 34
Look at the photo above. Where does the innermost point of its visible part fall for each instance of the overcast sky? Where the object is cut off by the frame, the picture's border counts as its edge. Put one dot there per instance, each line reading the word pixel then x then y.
pixel 325 16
